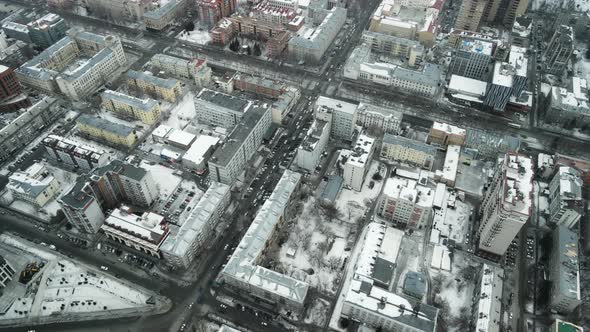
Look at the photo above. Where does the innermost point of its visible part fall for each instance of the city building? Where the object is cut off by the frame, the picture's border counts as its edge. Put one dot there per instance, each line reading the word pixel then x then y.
pixel 405 150
pixel 363 65
pixel 375 118
pixel 243 272
pixel 563 326
pixel 35 185
pixel 341 115
pixel 405 49
pixel 504 12
pixel 284 104
pixel 27 126
pixel 467 91
pixel 168 89
pixel 558 52
pixel 16 31
pixel 331 190
pixel 415 285
pixel 74 154
pixel 186 242
pixel 358 162
pixel 472 58
pixel 470 15
pixel 265 11
pixel 229 160
pixel 11 98
pixel 564 271
pixel 258 85
pixel 521 31
pixel 487 304
pixel 144 110
pixel 507 203
pixel 16 54
pixel 143 232
pixel 55 69
pixel 310 43
pixel 369 301
pixel 500 42
pixel 211 11
pixel 103 189
pixel 490 144
pixel 47 30
pixel 448 174
pixel 196 157
pixel 201 73
pixel 566 204
pixel 565 108
pixel 501 88
pixel 171 65
pixel 180 139
pixel 163 15
pixel 130 10
pixel 444 134
pixel 6 272
pixel 406 202
pixel 105 130
pixel 220 109
pixel 313 146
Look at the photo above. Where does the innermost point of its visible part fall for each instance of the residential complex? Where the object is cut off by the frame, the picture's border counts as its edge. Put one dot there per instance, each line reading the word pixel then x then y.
pixel 145 110
pixel 507 203
pixel 106 131
pixel 566 205
pixel 74 154
pixel 405 150
pixel 230 160
pixel 243 272
pixel 470 14
pixel 406 202
pixel 35 185
pixel 163 15
pixel 358 162
pixel 398 47
pixel 341 115
pixel 105 188
pixel 186 242
pixel 564 271
pixel 220 109
pixel 385 120
pixel 313 146
pixel 168 89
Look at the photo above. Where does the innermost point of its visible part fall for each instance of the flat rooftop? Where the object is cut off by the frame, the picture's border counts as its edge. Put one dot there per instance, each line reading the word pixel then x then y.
pixel 409 190
pixel 335 104
pixel 220 99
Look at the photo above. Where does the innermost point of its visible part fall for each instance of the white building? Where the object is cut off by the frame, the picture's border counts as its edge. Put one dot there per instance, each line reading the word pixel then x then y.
pixel 180 139
pixel 566 204
pixel 74 154
pixel 220 109
pixel 183 244
pixel 372 117
pixel 405 49
pixel 170 65
pixel 448 174
pixel 565 271
pixel 405 150
pixel 507 203
pixel 143 232
pixel 313 145
pixel 229 160
pixel 565 107
pixel 242 271
pixel 310 43
pixel 488 316
pixel 196 157
pixel 358 162
pixel 467 90
pixel 34 185
pixel 284 104
pixel 406 202
pixel 341 115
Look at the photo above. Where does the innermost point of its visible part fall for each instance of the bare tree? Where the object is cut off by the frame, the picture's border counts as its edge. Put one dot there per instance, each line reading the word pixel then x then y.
pixel 331 211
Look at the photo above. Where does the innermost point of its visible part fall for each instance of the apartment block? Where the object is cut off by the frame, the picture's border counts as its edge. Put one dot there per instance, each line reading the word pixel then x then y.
pixel 405 49
pixel 229 160
pixel 243 272
pixel 220 109
pixel 564 271
pixel 27 126
pixel 144 110
pixel 487 299
pixel 74 154
pixel 381 119
pixel 35 185
pixel 444 134
pixel 267 12
pixel 168 89
pixel 161 17
pixel 472 58
pixel 341 115
pixel 406 203
pixel 358 162
pixel 105 130
pixel 470 14
pixel 405 150
pixel 559 51
pixel 117 9
pixel 567 108
pixel 187 242
pixel 313 146
pixel 11 98
pixel 284 104
pixel 566 204
pixel 507 203
pixel 259 85
pixel 211 11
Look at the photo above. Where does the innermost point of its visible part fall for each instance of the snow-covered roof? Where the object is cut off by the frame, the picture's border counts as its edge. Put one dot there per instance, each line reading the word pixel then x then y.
pixel 518 60
pixel 139 104
pixel 449 129
pixel 476 46
pixel 409 190
pixel 165 83
pixel 181 137
pixel 324 102
pixel 570 183
pixel 162 131
pixel 518 183
pixel 466 85
pixel 449 171
pixel 70 145
pixel 361 151
pixel 149 228
pixel 503 74
pixel 32 182
pixel 580 88
pixel 382 242
pixel 172 155
pixel 490 299
pixel 566 263
pixel 196 153
pixel 242 267
pixel 441 258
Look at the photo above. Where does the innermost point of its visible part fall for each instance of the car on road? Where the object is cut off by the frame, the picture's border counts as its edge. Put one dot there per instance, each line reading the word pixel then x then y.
pixel 104 268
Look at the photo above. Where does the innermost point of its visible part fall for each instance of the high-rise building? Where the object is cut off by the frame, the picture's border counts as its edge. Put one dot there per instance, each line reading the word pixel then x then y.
pixel 211 11
pixel 406 203
pixel 560 48
pixel 504 12
pixel 472 58
pixel 566 204
pixel 340 114
pixel 47 30
pixel 565 271
pixel 470 14
pixel 507 203
pixel 358 162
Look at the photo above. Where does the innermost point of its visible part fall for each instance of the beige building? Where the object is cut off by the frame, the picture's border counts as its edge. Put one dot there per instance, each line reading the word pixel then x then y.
pixel 105 130
pixel 145 110
pixel 34 185
pixel 165 88
pixel 405 150
pixel 445 134
pixel 470 14
pixel 131 10
pixel 160 17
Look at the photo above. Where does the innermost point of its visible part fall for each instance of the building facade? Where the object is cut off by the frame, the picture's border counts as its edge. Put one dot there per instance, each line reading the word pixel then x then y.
pixel 168 89
pixel 144 110
pixel 444 134
pixel 380 119
pixel 47 30
pixel 358 162
pixel 220 109
pixel 472 58
pixel 74 154
pixel 470 14
pixel 34 185
pixel 406 203
pixel 405 150
pixel 11 98
pixel 566 204
pixel 560 49
pixel 161 17
pixel 341 115
pixel 566 108
pixel 105 130
pixel 313 146
pixel 211 11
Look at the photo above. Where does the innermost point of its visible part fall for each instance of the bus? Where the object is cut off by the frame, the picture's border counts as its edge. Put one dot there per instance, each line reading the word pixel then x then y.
pixel 514 125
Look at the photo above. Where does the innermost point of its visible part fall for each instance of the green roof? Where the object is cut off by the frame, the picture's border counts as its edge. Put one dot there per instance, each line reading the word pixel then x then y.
pixel 566 327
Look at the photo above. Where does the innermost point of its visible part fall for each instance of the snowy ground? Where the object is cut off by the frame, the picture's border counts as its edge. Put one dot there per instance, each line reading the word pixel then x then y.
pixel 471 178
pixel 196 36
pixel 542 203
pixel 352 204
pixel 317 312
pixel 182 113
pixel 165 177
pixel 549 5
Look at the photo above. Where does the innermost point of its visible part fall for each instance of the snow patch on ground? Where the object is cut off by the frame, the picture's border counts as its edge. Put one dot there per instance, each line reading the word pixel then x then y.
pixel 317 312
pixel 196 36
pixel 352 204
pixel 182 113
pixel 165 177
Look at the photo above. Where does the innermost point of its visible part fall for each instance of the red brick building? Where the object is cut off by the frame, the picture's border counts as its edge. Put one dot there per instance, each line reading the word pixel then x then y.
pixel 10 91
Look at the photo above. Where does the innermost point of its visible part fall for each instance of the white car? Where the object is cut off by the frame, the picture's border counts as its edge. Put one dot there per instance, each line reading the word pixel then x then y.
pixel 104 268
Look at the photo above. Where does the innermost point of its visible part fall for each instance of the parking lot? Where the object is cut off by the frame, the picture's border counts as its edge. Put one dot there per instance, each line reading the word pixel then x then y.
pixel 176 204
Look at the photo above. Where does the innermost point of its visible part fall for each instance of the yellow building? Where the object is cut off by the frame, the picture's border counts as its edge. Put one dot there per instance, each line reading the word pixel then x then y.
pixel 145 110
pixel 34 185
pixel 405 150
pixel 106 130
pixel 165 88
